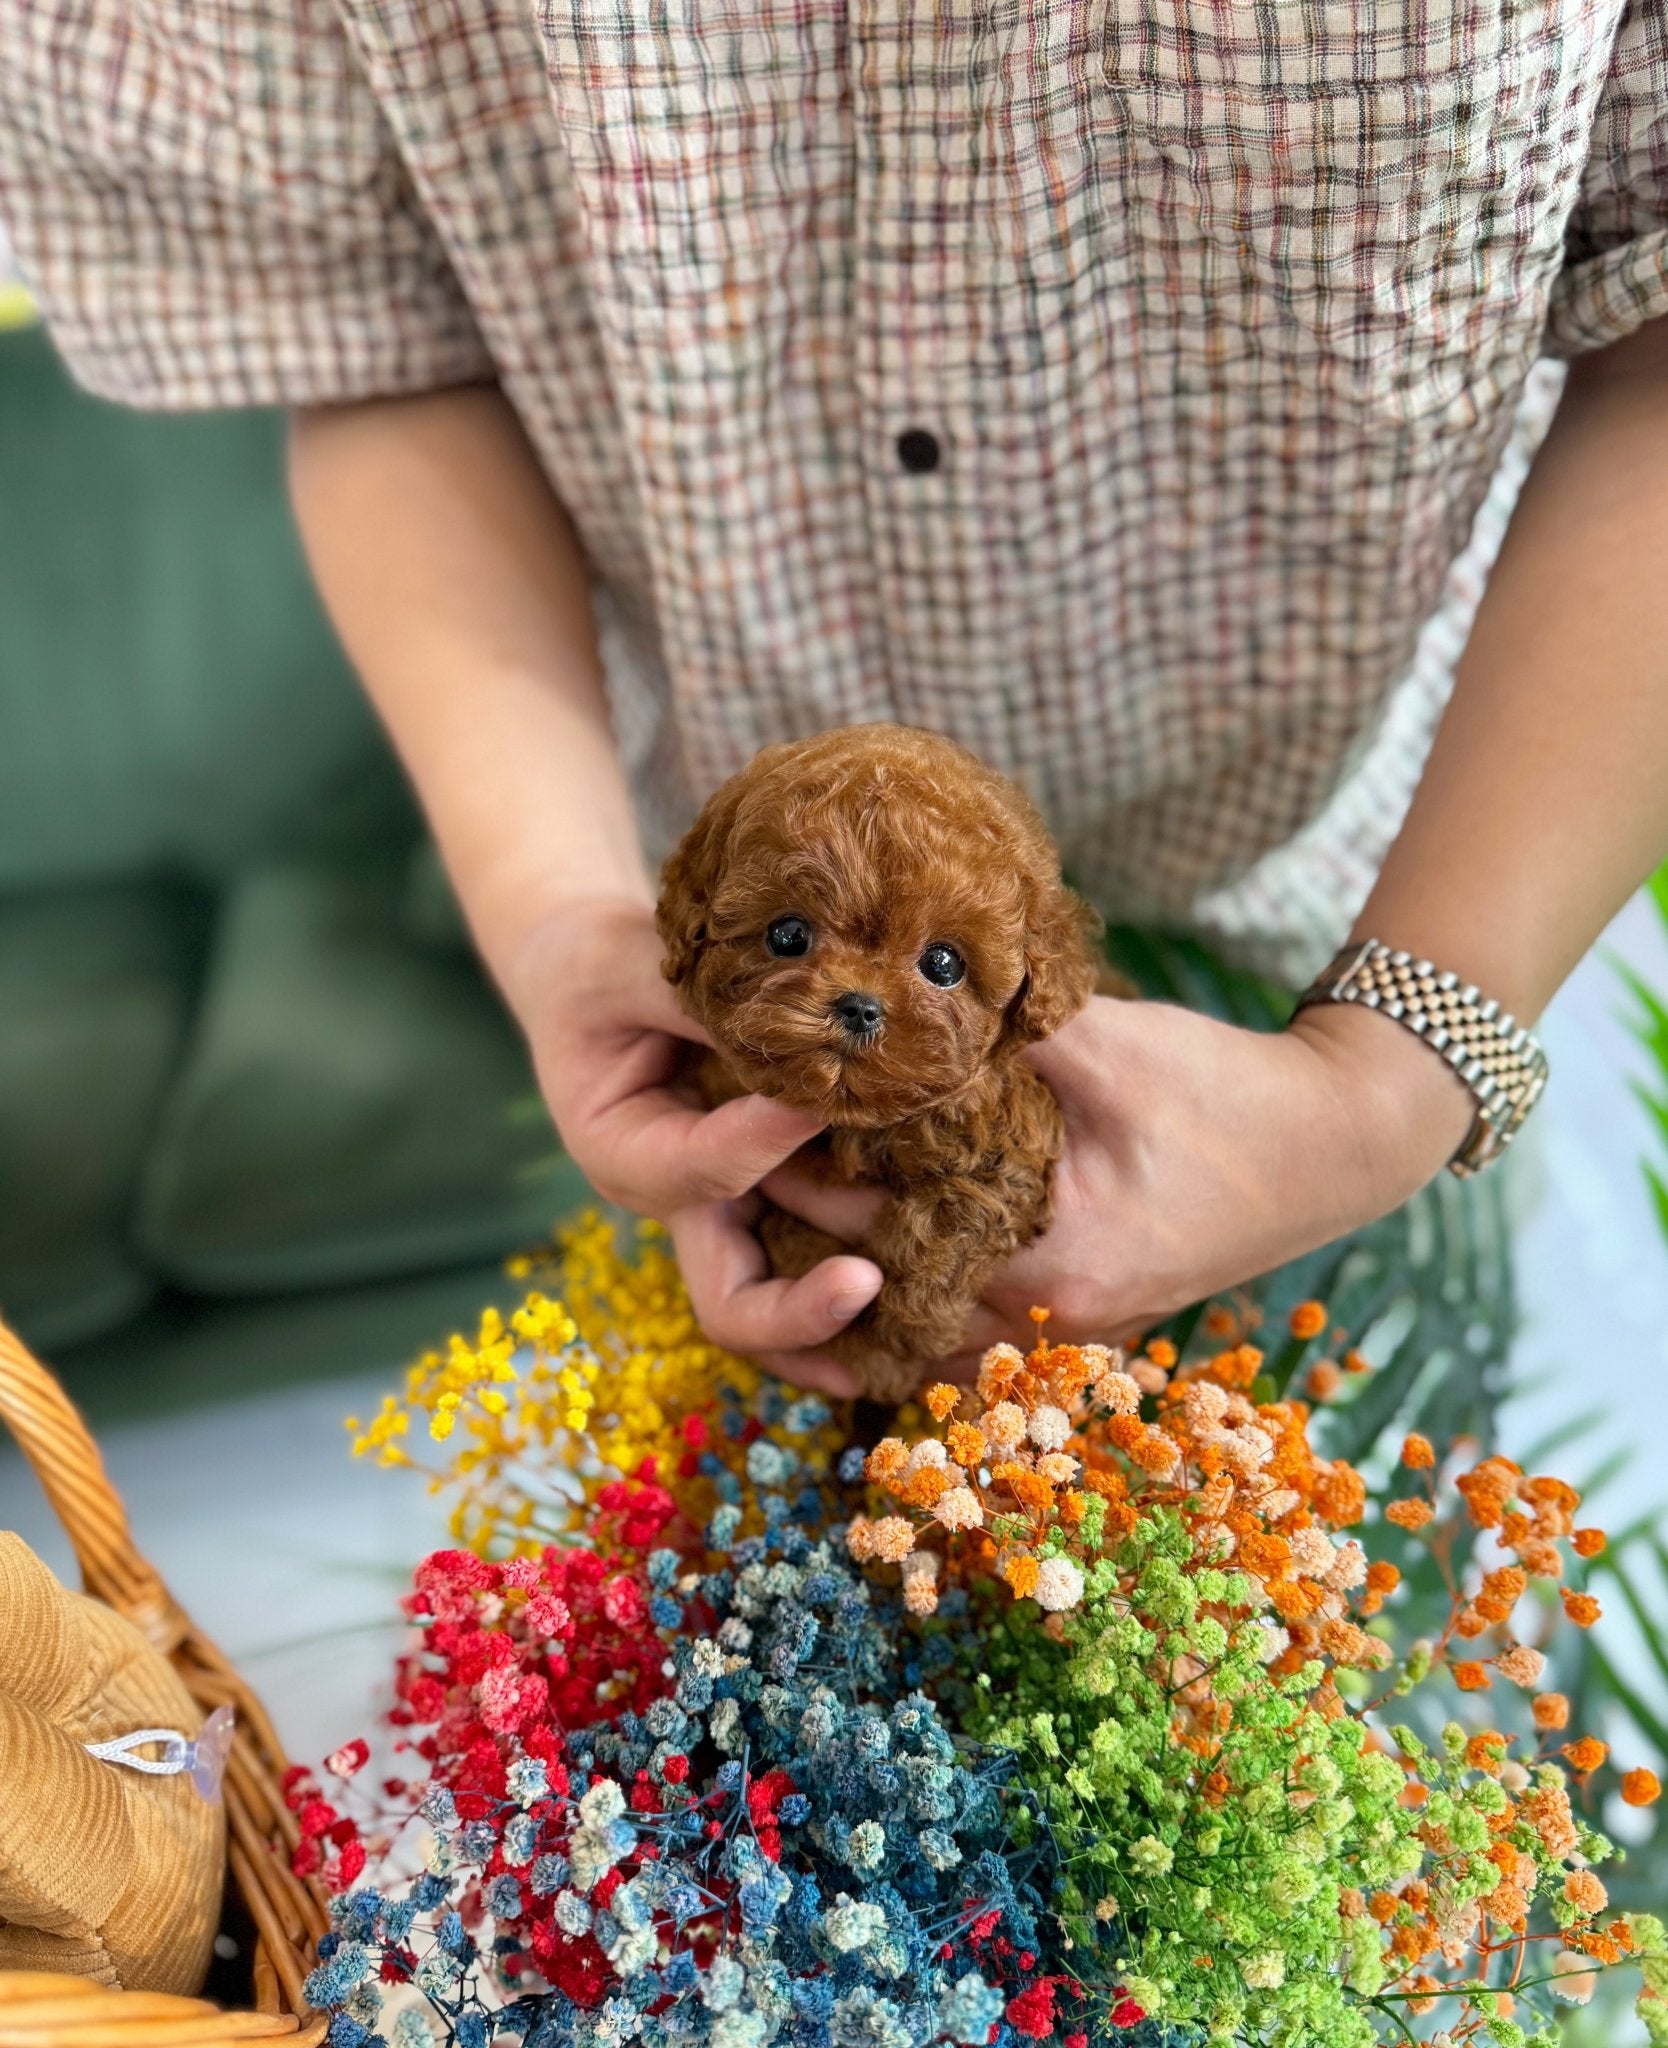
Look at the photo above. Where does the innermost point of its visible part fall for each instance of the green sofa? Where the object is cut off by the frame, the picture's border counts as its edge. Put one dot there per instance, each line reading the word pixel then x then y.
pixel 244 1047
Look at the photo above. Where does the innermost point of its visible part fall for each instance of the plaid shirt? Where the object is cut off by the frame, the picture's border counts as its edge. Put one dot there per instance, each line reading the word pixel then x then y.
pixel 1135 389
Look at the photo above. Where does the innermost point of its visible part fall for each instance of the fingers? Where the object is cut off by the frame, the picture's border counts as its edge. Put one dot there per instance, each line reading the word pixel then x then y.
pixel 733 1147
pixel 655 1153
pixel 847 1213
pixel 654 1006
pixel 740 1306
pixel 816 1371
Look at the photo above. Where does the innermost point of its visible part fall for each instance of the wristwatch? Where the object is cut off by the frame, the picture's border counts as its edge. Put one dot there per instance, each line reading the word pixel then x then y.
pixel 1499 1061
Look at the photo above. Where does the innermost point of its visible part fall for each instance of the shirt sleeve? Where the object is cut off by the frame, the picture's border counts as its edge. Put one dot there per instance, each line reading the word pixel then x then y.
pixel 1615 274
pixel 209 205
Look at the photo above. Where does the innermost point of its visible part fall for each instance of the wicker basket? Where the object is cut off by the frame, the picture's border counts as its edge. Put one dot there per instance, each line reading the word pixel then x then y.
pixel 286 1915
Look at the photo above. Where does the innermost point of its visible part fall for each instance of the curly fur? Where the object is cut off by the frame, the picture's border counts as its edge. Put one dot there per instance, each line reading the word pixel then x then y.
pixel 885 840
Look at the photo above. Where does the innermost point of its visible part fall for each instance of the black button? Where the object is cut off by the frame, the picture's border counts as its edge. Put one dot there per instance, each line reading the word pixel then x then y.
pixel 918 451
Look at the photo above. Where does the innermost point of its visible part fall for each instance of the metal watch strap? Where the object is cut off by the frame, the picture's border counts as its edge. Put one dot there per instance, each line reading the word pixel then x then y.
pixel 1499 1061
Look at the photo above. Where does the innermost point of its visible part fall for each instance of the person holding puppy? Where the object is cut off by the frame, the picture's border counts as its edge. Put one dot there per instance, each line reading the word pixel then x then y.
pixel 1135 392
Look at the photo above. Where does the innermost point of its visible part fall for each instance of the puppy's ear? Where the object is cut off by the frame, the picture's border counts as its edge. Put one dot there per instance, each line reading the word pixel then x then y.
pixel 1062 952
pixel 689 877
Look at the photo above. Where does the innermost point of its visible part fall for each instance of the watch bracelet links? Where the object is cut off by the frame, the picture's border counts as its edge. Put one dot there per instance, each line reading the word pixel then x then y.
pixel 1498 1060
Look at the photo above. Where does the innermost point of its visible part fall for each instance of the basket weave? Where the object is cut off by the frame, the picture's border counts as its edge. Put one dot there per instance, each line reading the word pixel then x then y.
pixel 288 1912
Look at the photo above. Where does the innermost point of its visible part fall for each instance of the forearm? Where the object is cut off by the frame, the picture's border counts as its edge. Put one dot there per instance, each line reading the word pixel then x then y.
pixel 1545 800
pixel 462 598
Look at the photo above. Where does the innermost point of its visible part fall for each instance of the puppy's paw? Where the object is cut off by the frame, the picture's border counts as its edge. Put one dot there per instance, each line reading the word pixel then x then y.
pixel 882 1375
pixel 892 1347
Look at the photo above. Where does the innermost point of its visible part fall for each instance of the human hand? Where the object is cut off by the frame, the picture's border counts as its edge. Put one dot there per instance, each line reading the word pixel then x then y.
pixel 1197 1156
pixel 607 1038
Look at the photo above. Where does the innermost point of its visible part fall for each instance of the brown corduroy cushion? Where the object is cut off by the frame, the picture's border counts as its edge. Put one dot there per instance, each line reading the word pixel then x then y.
pixel 105 1872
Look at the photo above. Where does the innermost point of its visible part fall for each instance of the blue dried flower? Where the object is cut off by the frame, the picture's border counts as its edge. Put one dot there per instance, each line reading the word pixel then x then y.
pixel 438 1808
pixel 969 2010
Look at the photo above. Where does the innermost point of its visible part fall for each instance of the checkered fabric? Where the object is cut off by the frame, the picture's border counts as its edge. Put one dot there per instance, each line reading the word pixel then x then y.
pixel 1212 326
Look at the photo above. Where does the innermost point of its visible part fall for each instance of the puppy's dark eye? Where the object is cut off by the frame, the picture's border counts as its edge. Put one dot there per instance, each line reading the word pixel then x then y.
pixel 789 937
pixel 942 965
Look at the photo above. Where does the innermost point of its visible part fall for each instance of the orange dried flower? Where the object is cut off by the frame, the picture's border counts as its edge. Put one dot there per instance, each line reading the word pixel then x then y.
pixel 1586 1753
pixel 1021 1572
pixel 1154 1452
pixel 1383 1906
pixel 1485 1493
pixel 1354 1362
pixel 1418 1452
pixel 1340 1496
pixel 1382 1576
pixel 1640 1787
pixel 965 1444
pixel 1235 1369
pixel 1547 1810
pixel 1308 1320
pixel 1325 1378
pixel 1603 1948
pixel 1585 1892
pixel 1521 1664
pixel 1295 1599
pixel 1541 1558
pixel 1507 1904
pixel 1429 1987
pixel 1588 1542
pixel 922 1487
pixel 1124 1432
pixel 1030 1489
pixel 1411 1515
pixel 1162 1352
pixel 1471 1677
pixel 886 1461
pixel 1547 1492
pixel 1344 1643
pixel 1551 1711
pixel 1264 1553
pixel 1486 1750
pixel 1581 1608
pixel 940 1400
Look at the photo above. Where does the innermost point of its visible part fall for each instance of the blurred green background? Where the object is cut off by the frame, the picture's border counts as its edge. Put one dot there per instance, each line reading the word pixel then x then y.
pixel 254 1094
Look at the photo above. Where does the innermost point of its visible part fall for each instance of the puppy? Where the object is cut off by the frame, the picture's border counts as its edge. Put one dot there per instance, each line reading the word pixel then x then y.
pixel 871 925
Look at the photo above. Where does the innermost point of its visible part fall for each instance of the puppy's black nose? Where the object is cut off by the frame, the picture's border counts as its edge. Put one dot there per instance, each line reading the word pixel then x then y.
pixel 860 1015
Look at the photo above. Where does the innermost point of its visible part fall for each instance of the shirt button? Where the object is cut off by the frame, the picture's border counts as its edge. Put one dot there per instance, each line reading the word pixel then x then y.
pixel 918 451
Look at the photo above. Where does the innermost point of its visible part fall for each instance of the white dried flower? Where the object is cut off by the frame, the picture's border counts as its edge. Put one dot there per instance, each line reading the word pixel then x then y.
pixel 959 1508
pixel 1049 1427
pixel 1059 1585
pixel 1004 1425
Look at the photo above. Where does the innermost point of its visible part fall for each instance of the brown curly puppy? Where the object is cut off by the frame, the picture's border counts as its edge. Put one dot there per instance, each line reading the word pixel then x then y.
pixel 871 925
